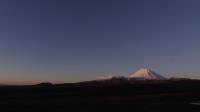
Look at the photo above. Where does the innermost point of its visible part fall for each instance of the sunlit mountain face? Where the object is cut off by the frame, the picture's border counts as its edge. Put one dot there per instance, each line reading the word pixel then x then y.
pixel 146 74
pixel 140 74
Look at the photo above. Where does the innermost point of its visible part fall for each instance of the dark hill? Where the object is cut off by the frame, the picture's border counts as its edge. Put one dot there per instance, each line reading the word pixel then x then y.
pixel 102 96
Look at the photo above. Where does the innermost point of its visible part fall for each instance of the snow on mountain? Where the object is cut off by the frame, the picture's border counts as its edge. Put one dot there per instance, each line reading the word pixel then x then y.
pixel 146 74
pixel 108 77
pixel 141 74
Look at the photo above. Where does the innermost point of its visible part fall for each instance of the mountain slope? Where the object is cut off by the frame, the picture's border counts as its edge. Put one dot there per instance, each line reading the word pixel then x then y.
pixel 146 74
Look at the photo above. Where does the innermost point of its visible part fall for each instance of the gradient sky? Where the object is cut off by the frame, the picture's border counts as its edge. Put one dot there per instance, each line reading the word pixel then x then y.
pixel 76 40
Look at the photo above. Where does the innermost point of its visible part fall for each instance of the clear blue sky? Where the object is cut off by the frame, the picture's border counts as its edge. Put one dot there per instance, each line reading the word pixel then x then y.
pixel 75 40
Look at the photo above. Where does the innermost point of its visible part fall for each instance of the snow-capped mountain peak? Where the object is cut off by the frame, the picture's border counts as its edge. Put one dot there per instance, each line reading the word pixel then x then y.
pixel 146 74
pixel 108 77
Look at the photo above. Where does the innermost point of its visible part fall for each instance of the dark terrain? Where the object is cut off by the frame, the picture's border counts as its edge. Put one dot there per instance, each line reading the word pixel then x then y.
pixel 103 96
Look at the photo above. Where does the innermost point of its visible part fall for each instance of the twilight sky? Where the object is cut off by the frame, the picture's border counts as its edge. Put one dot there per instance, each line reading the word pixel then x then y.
pixel 76 40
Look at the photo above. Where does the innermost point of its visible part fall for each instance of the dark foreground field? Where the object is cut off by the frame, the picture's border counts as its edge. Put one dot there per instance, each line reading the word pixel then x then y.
pixel 166 96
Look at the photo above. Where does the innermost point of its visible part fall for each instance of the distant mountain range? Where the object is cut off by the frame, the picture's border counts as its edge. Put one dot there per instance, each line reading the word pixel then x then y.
pixel 141 74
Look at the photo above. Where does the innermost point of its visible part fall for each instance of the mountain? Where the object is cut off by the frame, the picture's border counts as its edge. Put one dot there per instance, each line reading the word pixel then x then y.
pixel 146 74
pixel 179 79
pixel 108 77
